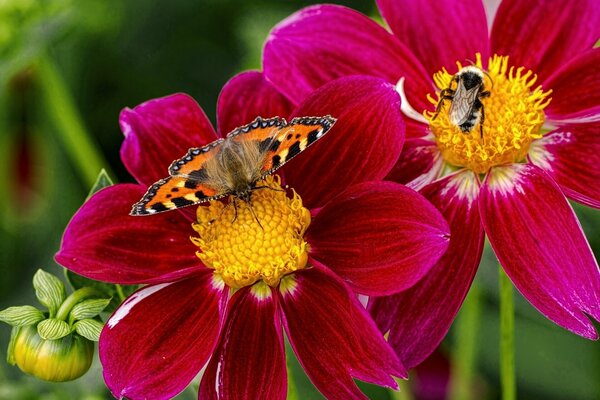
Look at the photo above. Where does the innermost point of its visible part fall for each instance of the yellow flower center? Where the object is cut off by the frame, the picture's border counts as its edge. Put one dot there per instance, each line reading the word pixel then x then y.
pixel 514 115
pixel 245 243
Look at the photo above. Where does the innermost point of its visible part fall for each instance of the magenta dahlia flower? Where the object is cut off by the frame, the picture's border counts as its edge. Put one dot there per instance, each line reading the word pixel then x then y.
pixel 509 178
pixel 222 300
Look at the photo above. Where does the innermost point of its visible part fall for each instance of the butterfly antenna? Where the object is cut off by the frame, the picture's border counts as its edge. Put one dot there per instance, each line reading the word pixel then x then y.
pixel 268 187
pixel 234 210
pixel 489 77
pixel 254 215
pixel 222 211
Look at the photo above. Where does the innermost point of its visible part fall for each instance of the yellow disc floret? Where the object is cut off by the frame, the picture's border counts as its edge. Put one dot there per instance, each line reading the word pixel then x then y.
pixel 514 115
pixel 263 240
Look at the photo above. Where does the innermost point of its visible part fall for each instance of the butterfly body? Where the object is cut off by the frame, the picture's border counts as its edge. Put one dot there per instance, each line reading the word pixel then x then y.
pixel 232 165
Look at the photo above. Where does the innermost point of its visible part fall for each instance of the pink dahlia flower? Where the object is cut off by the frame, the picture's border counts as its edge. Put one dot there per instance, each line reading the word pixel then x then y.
pixel 222 300
pixel 540 143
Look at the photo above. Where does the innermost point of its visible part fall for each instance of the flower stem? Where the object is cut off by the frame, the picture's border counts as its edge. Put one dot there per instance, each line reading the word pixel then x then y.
pixel 292 393
pixel 63 113
pixel 74 298
pixel 404 391
pixel 464 356
pixel 507 338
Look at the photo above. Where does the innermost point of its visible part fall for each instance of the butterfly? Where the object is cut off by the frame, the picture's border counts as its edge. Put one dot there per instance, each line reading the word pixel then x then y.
pixel 232 165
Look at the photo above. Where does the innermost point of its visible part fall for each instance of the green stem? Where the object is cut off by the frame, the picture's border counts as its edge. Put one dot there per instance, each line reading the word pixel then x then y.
pixel 404 391
pixel 507 338
pixel 464 358
pixel 292 393
pixel 74 298
pixel 63 113
pixel 120 292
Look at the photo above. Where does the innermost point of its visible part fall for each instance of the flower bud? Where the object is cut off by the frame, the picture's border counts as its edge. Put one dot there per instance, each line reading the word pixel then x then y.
pixel 56 360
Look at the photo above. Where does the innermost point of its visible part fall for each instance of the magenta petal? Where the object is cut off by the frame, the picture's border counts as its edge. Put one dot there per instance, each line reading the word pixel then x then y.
pixel 571 155
pixel 246 96
pixel 542 35
pixel 420 163
pixel 103 242
pixel 381 237
pixel 249 361
pixel 160 131
pixel 324 42
pixel 410 19
pixel 419 318
pixel 576 90
pixel 540 244
pixel 334 338
pixel 362 146
pixel 159 339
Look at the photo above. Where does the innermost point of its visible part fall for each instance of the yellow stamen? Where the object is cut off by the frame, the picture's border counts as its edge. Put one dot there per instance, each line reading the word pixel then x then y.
pixel 514 115
pixel 249 249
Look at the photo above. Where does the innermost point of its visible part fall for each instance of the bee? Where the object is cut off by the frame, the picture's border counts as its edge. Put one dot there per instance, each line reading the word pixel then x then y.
pixel 466 109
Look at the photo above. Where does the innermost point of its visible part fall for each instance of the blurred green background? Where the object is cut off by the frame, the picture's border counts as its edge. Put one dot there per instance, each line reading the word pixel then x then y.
pixel 68 67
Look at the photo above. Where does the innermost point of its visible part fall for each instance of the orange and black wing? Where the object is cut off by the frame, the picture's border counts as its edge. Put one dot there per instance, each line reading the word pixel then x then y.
pixel 293 139
pixel 174 192
pixel 187 185
pixel 193 164
pixel 262 131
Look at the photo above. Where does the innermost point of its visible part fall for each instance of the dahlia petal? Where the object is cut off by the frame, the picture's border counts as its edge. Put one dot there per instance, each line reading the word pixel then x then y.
pixel 365 142
pixel 103 242
pixel 246 96
pixel 420 163
pixel 541 35
pixel 419 318
pixel 409 19
pixel 159 338
pixel 380 237
pixel 576 90
pixel 571 155
pixel 334 338
pixel 249 361
pixel 539 242
pixel 321 43
pixel 160 131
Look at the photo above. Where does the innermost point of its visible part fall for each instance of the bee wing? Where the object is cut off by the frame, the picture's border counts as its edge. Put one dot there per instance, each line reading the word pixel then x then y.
pixel 462 104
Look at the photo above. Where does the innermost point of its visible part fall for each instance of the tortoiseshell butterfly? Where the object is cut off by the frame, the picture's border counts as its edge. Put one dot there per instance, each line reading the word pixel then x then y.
pixel 232 165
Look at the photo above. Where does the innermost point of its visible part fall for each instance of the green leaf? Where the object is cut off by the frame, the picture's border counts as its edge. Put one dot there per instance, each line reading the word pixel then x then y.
pixel 51 329
pixel 88 308
pixel 21 316
pixel 89 329
pixel 118 293
pixel 49 290
pixel 102 181
pixel 10 354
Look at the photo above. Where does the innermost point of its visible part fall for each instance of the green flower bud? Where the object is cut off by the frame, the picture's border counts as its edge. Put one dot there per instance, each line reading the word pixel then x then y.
pixel 57 360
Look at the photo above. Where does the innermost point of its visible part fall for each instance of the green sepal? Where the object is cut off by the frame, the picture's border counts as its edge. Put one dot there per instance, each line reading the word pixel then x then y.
pixel 49 290
pixel 88 309
pixel 118 293
pixel 21 315
pixel 89 329
pixel 102 181
pixel 10 354
pixel 52 329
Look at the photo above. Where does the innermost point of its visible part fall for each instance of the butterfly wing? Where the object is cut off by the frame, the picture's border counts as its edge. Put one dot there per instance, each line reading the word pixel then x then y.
pixel 188 184
pixel 261 130
pixel 293 139
pixel 174 192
